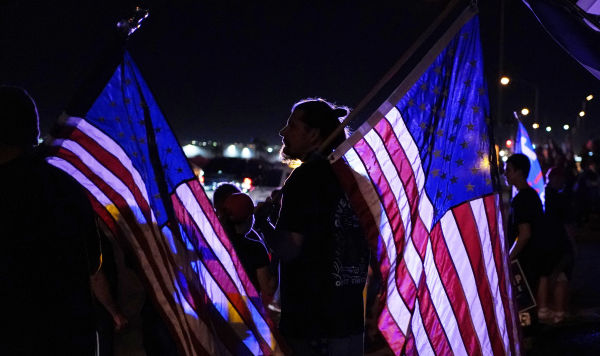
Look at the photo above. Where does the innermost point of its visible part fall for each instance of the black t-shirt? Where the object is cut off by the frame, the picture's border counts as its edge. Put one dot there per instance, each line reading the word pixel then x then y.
pixel 49 248
pixel 526 207
pixel 321 289
pixel 252 254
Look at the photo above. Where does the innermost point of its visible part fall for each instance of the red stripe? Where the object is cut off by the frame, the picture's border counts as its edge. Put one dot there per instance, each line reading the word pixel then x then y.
pixel 469 232
pixel 537 178
pixel 410 347
pixel 454 291
pixel 390 330
pixel 431 321
pixel 401 162
pixel 131 221
pixel 492 212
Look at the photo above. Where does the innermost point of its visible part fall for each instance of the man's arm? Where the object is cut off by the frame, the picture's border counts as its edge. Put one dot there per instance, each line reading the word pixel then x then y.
pixel 521 241
pixel 101 291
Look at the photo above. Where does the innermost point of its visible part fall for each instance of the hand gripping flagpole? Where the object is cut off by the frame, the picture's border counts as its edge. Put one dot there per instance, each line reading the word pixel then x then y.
pixel 390 74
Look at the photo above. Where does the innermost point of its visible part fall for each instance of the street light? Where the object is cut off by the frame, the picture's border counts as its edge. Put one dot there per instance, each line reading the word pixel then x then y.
pixel 535 126
pixel 504 80
pixel 566 127
pixel 581 113
pixel 524 111
pixel 548 128
pixel 589 97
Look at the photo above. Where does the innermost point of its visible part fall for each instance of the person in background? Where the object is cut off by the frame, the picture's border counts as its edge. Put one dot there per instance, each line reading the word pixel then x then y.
pixel 559 247
pixel 235 211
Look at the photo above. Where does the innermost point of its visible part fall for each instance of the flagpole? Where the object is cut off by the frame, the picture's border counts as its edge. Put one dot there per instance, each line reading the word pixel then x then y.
pixel 391 73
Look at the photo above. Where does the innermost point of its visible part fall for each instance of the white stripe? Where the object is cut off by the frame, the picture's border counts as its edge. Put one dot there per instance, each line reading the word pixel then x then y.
pixel 422 343
pixel 398 310
pixel 412 154
pixel 189 201
pixel 106 202
pixel 478 208
pixel 390 173
pixel 464 270
pixel 442 304
pixel 112 148
pixel 413 261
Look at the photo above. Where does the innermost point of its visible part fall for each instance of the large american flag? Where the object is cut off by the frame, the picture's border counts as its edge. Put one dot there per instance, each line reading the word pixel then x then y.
pixel 419 176
pixel 141 185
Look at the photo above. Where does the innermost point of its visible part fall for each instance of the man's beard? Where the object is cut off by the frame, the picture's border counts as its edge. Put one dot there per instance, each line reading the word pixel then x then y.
pixel 285 157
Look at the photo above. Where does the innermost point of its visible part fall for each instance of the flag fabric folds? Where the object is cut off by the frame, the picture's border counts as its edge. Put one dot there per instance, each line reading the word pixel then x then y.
pixel 576 34
pixel 142 187
pixel 535 177
pixel 418 173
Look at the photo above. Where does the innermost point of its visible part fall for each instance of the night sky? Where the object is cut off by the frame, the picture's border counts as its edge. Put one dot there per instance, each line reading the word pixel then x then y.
pixel 231 70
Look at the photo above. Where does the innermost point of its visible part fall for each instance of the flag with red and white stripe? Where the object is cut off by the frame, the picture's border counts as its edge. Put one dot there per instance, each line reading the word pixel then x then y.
pixel 419 175
pixel 141 185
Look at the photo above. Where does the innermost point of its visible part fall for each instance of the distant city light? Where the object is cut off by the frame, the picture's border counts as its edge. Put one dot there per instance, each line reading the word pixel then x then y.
pixel 577 158
pixel 566 127
pixel 504 80
pixel 231 151
pixel 524 111
pixel 535 126
pixel 246 152
pixel 581 113
pixel 502 153
pixel 270 149
pixel 509 143
pixel 504 159
pixel 215 144
pixel 533 145
pixel 548 128
pixel 589 97
pixel 590 153
pixel 191 150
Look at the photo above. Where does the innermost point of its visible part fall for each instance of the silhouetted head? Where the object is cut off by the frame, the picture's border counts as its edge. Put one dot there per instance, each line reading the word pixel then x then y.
pixel 311 122
pixel 222 192
pixel 18 117
pixel 517 168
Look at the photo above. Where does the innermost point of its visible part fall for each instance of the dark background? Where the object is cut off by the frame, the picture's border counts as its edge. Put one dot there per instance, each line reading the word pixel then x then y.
pixel 230 70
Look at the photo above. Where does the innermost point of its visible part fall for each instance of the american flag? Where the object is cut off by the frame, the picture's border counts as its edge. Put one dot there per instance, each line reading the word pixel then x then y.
pixel 536 177
pixel 141 185
pixel 419 175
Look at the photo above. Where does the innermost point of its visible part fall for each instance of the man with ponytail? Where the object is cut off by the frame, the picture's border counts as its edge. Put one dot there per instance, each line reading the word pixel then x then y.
pixel 319 240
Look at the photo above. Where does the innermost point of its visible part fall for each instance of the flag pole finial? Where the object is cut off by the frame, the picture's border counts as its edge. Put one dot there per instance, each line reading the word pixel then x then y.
pixel 131 24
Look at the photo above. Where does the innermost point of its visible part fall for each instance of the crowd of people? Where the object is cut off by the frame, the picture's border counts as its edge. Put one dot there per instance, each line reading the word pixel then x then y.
pixel 542 235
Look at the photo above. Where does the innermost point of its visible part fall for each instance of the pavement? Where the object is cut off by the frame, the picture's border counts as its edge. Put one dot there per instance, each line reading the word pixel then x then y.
pixel 579 334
